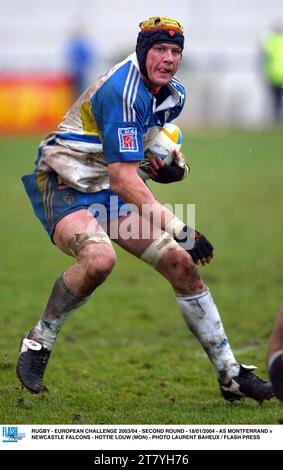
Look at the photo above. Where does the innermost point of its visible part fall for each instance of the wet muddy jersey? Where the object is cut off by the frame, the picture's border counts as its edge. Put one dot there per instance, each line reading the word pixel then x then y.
pixel 110 122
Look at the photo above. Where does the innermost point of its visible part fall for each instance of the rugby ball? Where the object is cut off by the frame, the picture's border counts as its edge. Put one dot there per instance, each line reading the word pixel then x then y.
pixel 161 142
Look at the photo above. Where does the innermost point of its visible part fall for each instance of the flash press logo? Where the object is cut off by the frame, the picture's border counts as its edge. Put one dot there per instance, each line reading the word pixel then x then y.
pixel 11 434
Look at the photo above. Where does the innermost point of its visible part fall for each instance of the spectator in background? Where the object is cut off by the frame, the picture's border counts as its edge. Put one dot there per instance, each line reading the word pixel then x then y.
pixel 81 58
pixel 275 357
pixel 273 69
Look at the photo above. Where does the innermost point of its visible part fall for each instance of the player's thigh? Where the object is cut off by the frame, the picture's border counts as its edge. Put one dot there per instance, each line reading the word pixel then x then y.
pixel 133 233
pixel 136 235
pixel 155 247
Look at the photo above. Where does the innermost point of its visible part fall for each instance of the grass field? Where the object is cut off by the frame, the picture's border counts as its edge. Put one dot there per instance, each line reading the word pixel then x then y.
pixel 127 357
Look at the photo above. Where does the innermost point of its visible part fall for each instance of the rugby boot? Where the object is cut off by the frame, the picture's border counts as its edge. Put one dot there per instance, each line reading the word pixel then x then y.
pixel 32 363
pixel 247 384
pixel 276 375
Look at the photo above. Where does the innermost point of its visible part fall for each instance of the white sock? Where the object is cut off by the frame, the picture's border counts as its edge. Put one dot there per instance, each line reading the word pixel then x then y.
pixel 202 317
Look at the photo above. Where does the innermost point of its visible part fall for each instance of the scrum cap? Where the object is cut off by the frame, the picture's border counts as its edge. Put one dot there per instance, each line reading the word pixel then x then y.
pixel 156 30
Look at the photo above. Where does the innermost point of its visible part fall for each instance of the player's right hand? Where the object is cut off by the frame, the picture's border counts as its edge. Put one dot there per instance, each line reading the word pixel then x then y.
pixel 163 173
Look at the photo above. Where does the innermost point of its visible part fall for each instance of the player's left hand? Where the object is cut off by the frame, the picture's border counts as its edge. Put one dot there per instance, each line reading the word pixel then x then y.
pixel 202 251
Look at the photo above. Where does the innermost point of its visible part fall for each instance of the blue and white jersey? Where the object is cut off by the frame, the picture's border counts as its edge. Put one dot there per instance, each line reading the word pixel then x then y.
pixel 110 122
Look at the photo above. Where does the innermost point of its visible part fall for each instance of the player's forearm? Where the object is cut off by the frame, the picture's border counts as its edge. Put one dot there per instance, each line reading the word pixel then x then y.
pixel 133 191
pixel 162 219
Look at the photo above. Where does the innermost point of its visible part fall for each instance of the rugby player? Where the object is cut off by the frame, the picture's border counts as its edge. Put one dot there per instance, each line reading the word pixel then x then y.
pixel 95 155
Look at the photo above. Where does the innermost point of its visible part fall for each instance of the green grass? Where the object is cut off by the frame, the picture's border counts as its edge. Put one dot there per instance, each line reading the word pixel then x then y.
pixel 127 357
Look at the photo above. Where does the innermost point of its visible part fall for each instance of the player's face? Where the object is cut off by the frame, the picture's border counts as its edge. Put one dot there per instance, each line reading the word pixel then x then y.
pixel 162 62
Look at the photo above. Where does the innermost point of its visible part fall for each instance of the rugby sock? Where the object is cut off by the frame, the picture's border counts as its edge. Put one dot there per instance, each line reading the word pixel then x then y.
pixel 61 304
pixel 202 318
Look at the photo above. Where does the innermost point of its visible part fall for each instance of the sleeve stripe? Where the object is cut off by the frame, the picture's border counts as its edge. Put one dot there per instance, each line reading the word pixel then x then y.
pixel 125 92
pixel 130 93
pixel 130 117
pixel 134 98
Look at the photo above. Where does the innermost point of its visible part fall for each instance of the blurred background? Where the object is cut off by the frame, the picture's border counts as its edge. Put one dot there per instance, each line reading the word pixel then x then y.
pixel 50 51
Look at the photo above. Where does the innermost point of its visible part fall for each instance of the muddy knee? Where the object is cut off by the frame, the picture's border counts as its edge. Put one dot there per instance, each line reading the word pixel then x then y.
pixel 98 266
pixel 95 254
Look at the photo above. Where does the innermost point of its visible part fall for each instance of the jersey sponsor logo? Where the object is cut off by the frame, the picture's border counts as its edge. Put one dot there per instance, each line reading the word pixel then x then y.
pixel 128 139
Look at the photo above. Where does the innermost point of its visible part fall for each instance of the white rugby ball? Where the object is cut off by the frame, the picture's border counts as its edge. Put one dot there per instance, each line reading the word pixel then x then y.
pixel 161 143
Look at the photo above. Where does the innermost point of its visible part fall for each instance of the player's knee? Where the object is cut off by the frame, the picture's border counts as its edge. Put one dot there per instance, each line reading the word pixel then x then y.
pixel 180 263
pixel 98 267
pixel 184 273
pixel 97 264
